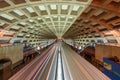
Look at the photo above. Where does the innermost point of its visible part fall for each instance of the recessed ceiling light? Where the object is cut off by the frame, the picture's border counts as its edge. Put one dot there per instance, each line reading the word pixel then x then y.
pixel 23 23
pixel 71 17
pixel 42 7
pixel 15 27
pixel 38 18
pixel 30 9
pixel 76 7
pixel 18 12
pixel 53 7
pixel 64 7
pixel 47 17
pixel 31 27
pixel 30 20
pixel 7 16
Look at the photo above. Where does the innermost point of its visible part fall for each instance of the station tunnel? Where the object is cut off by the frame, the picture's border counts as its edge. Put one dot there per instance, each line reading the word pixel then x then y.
pixel 59 39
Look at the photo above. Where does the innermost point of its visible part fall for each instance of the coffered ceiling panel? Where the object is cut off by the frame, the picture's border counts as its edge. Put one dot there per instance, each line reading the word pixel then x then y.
pixel 43 18
pixel 52 19
pixel 101 16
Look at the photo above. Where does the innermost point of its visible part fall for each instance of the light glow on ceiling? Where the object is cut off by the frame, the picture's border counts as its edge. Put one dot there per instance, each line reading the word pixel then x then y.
pixel 64 7
pixel 71 17
pixel 42 7
pixel 53 7
pixel 76 7
pixel 18 12
pixel 38 18
pixel 47 17
pixel 31 20
pixel 22 23
pixel 7 16
pixel 30 9
pixel 31 27
pixel 15 27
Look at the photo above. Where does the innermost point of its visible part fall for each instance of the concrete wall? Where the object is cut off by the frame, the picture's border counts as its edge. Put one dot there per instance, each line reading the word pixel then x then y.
pixel 14 52
pixel 106 51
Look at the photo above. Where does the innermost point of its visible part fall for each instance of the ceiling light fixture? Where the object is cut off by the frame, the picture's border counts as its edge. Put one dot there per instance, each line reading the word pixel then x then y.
pixel 18 12
pixel 30 20
pixel 7 16
pixel 64 7
pixel 53 7
pixel 42 7
pixel 76 7
pixel 30 9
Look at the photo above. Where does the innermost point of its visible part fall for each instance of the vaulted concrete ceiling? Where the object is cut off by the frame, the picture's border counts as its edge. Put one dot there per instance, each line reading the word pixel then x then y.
pixel 43 18
pixel 101 18
pixel 49 19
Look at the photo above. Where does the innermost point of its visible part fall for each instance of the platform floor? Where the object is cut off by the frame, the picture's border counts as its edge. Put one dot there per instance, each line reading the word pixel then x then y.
pixel 79 68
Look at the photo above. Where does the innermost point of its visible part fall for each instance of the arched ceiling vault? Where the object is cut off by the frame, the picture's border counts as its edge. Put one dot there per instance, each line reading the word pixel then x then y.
pixel 49 19
pixel 39 18
pixel 101 18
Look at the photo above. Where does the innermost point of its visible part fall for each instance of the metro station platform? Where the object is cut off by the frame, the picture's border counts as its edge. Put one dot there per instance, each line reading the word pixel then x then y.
pixel 59 62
